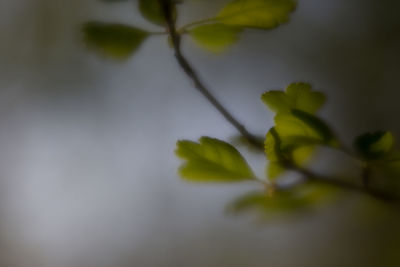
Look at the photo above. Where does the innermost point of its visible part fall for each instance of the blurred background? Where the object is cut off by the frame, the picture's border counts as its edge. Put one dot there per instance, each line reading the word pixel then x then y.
pixel 88 174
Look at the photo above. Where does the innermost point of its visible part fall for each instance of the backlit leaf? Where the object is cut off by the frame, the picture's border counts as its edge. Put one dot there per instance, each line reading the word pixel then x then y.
pixel 315 123
pixel 212 160
pixel 374 145
pixel 272 145
pixel 274 170
pixel 296 96
pixel 215 37
pixel 264 14
pixel 295 136
pixel 113 40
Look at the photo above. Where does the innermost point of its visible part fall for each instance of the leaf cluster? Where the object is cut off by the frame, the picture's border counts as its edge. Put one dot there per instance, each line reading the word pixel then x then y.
pixel 288 146
pixel 120 41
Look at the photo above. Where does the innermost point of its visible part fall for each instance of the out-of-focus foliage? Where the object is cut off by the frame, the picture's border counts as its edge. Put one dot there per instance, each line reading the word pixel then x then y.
pixel 113 40
pixel 297 131
pixel 374 145
pixel 152 11
pixel 264 14
pixel 214 34
pixel 302 198
pixel 212 160
pixel 296 96
pixel 215 37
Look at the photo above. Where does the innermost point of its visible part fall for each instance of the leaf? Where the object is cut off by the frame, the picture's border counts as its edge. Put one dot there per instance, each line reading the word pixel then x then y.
pixel 263 14
pixel 374 145
pixel 293 130
pixel 212 160
pixel 272 145
pixel 296 96
pixel 113 40
pixel 274 170
pixel 152 11
pixel 289 202
pixel 296 135
pixel 215 37
pixel 316 124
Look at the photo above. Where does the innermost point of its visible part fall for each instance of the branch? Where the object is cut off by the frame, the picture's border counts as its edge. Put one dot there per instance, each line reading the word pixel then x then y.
pixel 362 188
pixel 198 84
pixel 167 7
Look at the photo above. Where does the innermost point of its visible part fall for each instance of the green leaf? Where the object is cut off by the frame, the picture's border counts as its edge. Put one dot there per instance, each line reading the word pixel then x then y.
pixel 289 202
pixel 113 40
pixel 274 170
pixel 293 129
pixel 374 145
pixel 212 160
pixel 272 146
pixel 316 124
pixel 152 11
pixel 296 96
pixel 295 136
pixel 215 37
pixel 263 14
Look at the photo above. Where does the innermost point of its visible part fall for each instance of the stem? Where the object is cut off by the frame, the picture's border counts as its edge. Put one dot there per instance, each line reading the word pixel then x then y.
pixel 363 189
pixel 198 84
pixel 198 22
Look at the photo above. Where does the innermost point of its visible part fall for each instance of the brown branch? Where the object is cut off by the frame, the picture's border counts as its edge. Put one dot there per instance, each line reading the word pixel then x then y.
pixel 167 7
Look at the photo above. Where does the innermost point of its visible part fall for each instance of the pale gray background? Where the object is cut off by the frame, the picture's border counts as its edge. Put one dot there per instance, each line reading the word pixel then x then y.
pixel 88 175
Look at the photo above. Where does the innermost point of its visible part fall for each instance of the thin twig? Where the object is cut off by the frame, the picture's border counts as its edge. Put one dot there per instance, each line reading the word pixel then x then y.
pixel 198 84
pixel 359 188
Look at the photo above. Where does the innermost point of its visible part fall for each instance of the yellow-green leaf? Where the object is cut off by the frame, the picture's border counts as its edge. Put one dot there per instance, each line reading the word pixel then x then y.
pixel 272 145
pixel 295 136
pixel 296 96
pixel 212 160
pixel 274 170
pixel 215 37
pixel 113 40
pixel 264 14
pixel 290 128
pixel 374 145
pixel 298 199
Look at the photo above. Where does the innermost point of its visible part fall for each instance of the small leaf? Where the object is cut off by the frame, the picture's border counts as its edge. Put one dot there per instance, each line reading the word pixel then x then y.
pixel 374 145
pixel 292 129
pixel 113 40
pixel 263 14
pixel 274 170
pixel 152 11
pixel 298 132
pixel 316 124
pixel 215 37
pixel 299 199
pixel 212 160
pixel 272 145
pixel 296 96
